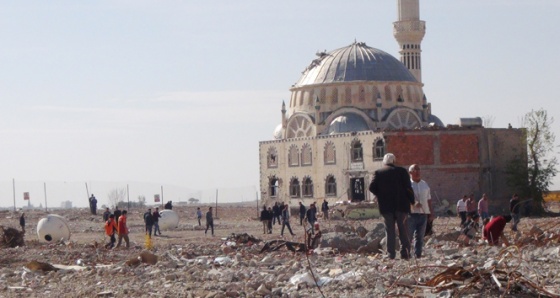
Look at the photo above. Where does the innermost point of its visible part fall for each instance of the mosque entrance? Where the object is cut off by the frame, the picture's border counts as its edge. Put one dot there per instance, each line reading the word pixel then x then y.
pixel 357 193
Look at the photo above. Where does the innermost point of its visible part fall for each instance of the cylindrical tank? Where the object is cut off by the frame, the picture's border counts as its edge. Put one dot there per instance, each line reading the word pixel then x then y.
pixel 169 219
pixel 53 228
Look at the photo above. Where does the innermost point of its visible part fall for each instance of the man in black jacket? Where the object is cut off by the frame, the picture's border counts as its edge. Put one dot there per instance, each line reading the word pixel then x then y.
pixel 302 211
pixel 391 185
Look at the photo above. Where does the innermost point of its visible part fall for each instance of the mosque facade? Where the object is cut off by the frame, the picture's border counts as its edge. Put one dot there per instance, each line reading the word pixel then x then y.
pixel 356 103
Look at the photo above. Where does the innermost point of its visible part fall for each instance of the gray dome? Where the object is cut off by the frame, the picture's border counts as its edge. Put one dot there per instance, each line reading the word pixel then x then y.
pixel 347 123
pixel 434 119
pixel 356 62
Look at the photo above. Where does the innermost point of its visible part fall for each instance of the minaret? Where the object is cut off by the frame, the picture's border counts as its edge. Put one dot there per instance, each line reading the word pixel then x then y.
pixel 408 32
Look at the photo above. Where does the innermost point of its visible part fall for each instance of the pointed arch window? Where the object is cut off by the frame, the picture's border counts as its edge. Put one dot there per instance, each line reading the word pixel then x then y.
pixel 330 186
pixel 330 153
pixel 293 156
pixel 362 95
pixel 378 149
pixel 294 188
pixel 306 155
pixel 307 187
pixel 273 187
pixel 323 96
pixel 272 157
pixel 348 95
pixel 357 152
pixel 334 96
pixel 388 95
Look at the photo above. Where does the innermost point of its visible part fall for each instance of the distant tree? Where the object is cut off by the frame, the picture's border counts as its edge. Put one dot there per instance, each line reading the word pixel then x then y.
pixel 193 200
pixel 531 175
pixel 488 121
pixel 116 196
pixel 142 201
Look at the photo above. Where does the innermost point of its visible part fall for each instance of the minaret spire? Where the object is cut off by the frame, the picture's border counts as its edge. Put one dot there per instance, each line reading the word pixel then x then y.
pixel 409 31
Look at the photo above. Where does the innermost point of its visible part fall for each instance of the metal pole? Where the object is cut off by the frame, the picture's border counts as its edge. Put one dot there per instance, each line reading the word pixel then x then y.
pixel 127 197
pixel 87 191
pixel 14 189
pixel 45 188
pixel 162 197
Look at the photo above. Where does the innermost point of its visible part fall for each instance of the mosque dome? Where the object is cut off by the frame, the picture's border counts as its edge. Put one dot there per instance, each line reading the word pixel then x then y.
pixel 356 62
pixel 347 122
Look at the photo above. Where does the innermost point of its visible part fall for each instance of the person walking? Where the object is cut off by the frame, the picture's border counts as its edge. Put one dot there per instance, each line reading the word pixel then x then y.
pixel 156 217
pixel 199 215
pixel 209 221
pixel 264 219
pixel 110 229
pixel 106 214
pixel 462 209
pixel 325 209
pixel 122 229
pixel 117 213
pixel 149 221
pixel 286 220
pixel 302 211
pixel 421 212
pixel 515 211
pixel 483 207
pixel 311 217
pixel 22 222
pixel 270 218
pixel 277 211
pixel 392 188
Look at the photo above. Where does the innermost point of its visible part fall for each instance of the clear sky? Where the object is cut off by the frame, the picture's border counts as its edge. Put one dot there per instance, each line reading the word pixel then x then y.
pixel 179 93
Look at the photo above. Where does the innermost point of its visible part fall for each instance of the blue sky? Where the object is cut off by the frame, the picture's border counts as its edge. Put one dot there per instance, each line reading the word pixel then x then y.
pixel 181 92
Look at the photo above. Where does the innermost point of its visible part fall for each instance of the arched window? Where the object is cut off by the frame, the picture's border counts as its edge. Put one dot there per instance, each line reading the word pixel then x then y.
pixel 307 187
pixel 334 96
pixel 273 186
pixel 293 156
pixel 388 96
pixel 294 188
pixel 330 153
pixel 323 96
pixel 330 186
pixel 378 149
pixel 362 95
pixel 357 151
pixel 348 95
pixel 374 94
pixel 272 157
pixel 306 155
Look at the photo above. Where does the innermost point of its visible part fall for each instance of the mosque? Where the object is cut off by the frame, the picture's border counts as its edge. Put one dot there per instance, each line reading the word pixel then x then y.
pixel 354 104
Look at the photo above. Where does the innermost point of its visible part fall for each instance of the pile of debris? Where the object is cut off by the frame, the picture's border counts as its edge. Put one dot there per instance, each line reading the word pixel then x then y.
pixel 11 237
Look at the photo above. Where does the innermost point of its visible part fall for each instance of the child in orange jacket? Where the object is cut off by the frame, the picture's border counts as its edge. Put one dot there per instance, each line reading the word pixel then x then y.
pixel 110 229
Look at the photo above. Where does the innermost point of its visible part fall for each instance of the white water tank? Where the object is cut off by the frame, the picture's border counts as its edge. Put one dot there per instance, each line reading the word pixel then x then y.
pixel 169 220
pixel 53 228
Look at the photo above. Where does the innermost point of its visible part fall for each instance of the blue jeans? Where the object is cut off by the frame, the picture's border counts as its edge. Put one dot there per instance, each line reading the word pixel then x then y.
pixel 398 218
pixel 416 229
pixel 516 219
pixel 484 215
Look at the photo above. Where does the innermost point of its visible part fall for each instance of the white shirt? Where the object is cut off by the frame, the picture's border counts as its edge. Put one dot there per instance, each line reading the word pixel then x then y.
pixel 461 206
pixel 422 195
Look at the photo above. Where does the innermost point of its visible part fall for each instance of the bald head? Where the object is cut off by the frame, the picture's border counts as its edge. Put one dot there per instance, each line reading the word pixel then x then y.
pixel 389 159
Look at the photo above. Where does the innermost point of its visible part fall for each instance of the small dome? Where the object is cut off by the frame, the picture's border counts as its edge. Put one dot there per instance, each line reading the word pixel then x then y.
pixel 434 119
pixel 347 123
pixel 277 134
pixel 356 62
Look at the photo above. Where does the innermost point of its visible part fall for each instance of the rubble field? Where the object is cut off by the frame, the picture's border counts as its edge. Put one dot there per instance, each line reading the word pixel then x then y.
pixel 241 261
